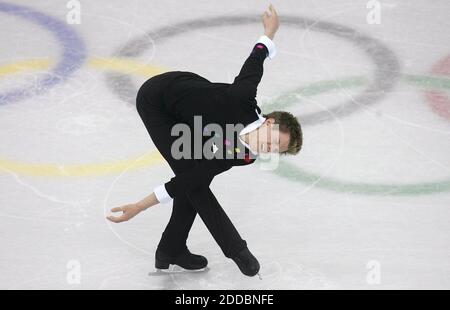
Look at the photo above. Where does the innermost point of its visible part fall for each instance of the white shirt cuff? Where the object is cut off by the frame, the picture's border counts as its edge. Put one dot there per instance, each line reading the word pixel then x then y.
pixel 161 194
pixel 269 44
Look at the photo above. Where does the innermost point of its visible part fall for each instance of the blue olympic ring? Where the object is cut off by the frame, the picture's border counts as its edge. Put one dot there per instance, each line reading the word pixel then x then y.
pixel 73 54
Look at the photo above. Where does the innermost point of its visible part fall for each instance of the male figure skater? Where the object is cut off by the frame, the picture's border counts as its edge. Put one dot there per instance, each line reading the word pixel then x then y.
pixel 178 97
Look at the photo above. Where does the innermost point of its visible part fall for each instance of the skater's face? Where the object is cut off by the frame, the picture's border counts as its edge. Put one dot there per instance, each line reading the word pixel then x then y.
pixel 269 139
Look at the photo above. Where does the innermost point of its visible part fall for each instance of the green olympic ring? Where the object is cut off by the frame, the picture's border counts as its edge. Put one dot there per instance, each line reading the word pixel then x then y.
pixel 293 173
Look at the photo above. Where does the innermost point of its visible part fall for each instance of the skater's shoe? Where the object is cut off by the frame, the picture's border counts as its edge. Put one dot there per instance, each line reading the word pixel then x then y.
pixel 186 260
pixel 247 263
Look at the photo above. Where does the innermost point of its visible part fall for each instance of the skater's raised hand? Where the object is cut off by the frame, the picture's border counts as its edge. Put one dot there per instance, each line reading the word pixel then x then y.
pixel 129 211
pixel 270 22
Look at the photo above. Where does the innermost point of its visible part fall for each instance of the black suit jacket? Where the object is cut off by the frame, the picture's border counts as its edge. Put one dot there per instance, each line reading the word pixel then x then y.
pixel 189 94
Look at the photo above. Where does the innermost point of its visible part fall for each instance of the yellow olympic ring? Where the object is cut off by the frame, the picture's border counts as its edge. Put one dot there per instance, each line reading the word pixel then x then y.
pixel 82 170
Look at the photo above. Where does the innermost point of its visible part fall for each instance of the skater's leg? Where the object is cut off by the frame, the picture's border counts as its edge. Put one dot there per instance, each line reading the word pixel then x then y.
pixel 173 239
pixel 202 200
pixel 217 221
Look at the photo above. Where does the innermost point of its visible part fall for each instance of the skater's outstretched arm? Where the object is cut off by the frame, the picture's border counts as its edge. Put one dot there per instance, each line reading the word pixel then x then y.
pixel 199 175
pixel 245 85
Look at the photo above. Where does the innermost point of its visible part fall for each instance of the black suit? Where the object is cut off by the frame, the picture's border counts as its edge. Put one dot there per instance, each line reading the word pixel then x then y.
pixel 176 97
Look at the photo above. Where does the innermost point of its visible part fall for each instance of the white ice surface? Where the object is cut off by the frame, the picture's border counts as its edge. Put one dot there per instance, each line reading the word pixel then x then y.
pixel 304 235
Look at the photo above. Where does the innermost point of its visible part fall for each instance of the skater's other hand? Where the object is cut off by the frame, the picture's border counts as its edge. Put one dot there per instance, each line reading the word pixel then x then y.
pixel 129 211
pixel 270 22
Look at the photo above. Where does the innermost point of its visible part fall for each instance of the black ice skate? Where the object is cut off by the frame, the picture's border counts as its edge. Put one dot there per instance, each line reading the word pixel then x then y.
pixel 186 260
pixel 247 263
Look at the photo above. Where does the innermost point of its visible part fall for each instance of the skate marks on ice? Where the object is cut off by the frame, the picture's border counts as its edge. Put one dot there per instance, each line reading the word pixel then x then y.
pixel 224 274
pixel 297 276
pixel 132 277
pixel 173 270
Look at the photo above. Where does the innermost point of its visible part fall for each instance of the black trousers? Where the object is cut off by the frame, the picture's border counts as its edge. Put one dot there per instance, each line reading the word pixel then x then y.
pixel 159 122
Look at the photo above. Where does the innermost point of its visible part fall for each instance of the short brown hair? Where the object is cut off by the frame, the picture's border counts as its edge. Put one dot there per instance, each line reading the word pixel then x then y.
pixel 288 123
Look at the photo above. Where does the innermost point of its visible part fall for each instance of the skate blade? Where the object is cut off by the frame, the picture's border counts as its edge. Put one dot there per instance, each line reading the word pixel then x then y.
pixel 177 271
